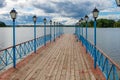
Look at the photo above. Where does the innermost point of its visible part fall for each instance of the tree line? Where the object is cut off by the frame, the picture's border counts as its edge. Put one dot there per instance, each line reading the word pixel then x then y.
pixel 2 24
pixel 105 23
pixel 101 23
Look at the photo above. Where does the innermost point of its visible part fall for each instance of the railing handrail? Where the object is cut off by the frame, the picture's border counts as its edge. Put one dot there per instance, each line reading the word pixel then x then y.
pixel 109 67
pixel 102 52
pixel 20 43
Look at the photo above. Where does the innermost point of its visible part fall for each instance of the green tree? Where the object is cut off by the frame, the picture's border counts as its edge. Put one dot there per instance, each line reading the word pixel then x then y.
pixel 91 23
pixel 117 24
pixel 2 24
pixel 105 23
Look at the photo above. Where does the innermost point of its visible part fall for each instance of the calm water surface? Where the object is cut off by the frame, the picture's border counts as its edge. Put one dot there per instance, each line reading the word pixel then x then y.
pixel 22 34
pixel 108 39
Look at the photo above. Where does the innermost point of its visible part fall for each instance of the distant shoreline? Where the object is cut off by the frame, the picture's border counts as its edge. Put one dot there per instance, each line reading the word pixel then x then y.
pixel 9 26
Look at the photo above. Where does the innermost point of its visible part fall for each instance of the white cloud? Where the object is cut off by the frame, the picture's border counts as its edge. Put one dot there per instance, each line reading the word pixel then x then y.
pixel 67 11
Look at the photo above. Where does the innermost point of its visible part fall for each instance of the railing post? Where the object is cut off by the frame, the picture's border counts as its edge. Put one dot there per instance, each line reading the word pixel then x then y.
pixel 82 33
pixel 44 34
pixel 86 35
pixel 78 31
pixel 95 58
pixel 82 29
pixel 34 37
pixel 54 31
pixel 107 68
pixel 59 31
pixel 14 41
pixel 6 59
pixel 75 30
pixel 115 75
pixel 50 31
pixel 62 31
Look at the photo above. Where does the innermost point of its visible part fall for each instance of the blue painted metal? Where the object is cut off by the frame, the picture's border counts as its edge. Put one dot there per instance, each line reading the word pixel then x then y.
pixel 50 32
pixel 21 50
pixel 95 57
pixel 14 42
pixel 75 30
pixel 79 30
pixel 82 29
pixel 44 34
pixel 86 34
pixel 59 31
pixel 34 37
pixel 109 68
pixel 54 32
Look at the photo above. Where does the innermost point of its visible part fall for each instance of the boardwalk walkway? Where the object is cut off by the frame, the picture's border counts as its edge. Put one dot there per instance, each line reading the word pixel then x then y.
pixel 63 60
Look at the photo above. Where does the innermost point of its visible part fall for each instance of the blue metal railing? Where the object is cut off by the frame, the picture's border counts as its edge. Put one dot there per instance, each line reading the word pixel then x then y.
pixel 22 50
pixel 109 68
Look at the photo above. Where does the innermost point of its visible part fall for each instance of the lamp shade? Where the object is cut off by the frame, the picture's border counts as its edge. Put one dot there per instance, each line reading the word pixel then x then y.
pixel 86 17
pixel 81 19
pixel 54 23
pixel 118 2
pixel 34 18
pixel 45 20
pixel 95 13
pixel 50 21
pixel 59 23
pixel 13 14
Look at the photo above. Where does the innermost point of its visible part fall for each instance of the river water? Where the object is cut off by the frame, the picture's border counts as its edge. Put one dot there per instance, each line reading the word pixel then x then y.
pixel 108 39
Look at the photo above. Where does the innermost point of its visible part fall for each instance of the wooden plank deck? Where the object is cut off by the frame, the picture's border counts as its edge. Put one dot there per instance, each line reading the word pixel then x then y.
pixel 64 59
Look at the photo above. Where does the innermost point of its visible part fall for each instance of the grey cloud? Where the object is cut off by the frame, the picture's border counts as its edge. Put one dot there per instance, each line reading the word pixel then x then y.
pixel 67 9
pixel 73 10
pixel 46 7
pixel 15 0
pixel 2 3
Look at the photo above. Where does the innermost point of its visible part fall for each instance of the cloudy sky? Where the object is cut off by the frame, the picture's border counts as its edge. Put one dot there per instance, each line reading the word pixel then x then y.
pixel 65 11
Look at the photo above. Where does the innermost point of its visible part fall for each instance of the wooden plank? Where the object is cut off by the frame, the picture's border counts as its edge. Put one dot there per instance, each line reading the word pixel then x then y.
pixel 25 69
pixel 68 67
pixel 64 59
pixel 44 64
pixel 76 64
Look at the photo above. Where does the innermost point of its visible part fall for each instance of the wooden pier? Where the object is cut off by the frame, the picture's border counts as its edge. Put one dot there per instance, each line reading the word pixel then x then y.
pixel 65 59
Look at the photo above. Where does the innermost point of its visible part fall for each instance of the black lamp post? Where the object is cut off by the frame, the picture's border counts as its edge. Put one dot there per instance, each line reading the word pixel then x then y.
pixel 13 14
pixel 86 19
pixel 45 21
pixel 34 20
pixel 118 2
pixel 95 15
pixel 50 30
